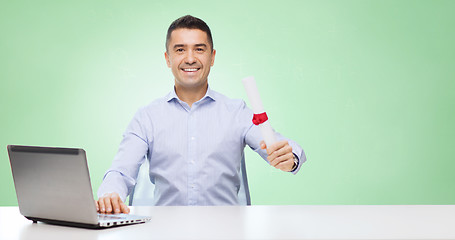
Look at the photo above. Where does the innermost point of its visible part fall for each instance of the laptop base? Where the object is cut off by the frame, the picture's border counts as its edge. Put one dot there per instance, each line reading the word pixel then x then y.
pixel 75 224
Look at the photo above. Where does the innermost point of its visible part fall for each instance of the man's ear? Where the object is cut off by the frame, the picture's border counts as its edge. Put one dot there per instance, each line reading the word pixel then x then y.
pixel 213 57
pixel 168 62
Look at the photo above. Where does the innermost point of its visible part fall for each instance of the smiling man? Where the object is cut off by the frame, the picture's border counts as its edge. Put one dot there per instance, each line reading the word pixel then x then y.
pixel 190 55
pixel 194 137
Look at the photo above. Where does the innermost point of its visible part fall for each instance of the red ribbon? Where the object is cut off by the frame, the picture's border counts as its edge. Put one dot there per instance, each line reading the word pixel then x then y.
pixel 259 118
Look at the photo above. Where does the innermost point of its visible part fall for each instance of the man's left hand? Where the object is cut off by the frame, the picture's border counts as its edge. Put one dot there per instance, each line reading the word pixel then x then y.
pixel 280 155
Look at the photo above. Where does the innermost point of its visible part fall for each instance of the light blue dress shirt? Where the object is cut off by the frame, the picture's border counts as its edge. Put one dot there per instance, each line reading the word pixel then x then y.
pixel 194 153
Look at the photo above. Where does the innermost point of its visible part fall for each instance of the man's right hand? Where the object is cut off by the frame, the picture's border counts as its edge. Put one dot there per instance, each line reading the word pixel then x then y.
pixel 111 203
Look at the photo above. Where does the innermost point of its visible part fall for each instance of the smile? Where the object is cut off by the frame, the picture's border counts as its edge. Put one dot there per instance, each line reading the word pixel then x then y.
pixel 190 69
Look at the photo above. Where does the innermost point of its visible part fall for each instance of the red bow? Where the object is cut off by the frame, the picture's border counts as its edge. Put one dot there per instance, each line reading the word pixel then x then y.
pixel 260 118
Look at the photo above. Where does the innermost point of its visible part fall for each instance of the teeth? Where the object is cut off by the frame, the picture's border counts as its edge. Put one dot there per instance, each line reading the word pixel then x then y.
pixel 190 69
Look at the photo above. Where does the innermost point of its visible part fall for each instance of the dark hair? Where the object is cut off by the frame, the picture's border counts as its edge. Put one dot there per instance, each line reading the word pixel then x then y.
pixel 189 22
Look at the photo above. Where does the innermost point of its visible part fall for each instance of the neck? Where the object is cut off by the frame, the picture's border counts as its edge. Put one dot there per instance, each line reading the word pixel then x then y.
pixel 191 95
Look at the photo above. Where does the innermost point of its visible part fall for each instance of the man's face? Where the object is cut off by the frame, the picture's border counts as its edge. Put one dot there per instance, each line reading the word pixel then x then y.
pixel 190 57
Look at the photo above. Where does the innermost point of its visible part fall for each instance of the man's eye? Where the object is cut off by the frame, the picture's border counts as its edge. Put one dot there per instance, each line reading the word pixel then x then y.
pixel 179 50
pixel 199 49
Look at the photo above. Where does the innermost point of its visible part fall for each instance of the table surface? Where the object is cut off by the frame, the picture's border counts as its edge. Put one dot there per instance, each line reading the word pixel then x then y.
pixel 256 222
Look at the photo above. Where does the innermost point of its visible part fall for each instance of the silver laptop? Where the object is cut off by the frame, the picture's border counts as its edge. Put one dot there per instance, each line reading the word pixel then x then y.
pixel 53 186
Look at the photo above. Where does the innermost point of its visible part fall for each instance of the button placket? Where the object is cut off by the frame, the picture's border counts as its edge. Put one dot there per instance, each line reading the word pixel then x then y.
pixel 192 170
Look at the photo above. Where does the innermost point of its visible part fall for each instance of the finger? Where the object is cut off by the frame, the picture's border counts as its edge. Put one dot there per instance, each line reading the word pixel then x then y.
pixel 282 158
pixel 108 204
pixel 102 208
pixel 97 206
pixel 262 144
pixel 286 165
pixel 272 148
pixel 125 208
pixel 116 202
pixel 282 151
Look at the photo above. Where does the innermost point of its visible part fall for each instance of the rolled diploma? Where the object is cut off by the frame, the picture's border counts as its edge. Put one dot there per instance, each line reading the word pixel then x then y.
pixel 255 100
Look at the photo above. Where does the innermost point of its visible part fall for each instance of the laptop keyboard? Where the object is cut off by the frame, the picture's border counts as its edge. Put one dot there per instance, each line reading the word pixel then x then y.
pixel 109 217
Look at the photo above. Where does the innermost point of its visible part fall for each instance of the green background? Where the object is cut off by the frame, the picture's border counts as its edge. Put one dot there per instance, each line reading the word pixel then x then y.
pixel 366 87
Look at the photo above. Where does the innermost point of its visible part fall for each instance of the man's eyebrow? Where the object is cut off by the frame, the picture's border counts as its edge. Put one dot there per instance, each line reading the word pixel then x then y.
pixel 184 45
pixel 178 46
pixel 201 45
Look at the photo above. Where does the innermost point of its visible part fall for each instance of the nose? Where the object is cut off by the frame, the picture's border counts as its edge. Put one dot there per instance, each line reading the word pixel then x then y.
pixel 189 58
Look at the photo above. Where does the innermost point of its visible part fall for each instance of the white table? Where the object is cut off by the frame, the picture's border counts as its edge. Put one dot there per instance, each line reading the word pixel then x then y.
pixel 256 222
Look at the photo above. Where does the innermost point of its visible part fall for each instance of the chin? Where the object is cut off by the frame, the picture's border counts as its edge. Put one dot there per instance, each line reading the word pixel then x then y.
pixel 188 84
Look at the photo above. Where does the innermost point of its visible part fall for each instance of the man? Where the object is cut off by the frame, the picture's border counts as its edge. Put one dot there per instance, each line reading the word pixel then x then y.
pixel 194 138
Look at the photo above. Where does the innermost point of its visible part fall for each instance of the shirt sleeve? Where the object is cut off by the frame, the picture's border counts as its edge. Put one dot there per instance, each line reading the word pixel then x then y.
pixel 121 176
pixel 253 138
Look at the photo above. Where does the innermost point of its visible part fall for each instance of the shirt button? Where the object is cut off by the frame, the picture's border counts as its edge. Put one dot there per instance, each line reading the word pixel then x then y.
pixel 192 138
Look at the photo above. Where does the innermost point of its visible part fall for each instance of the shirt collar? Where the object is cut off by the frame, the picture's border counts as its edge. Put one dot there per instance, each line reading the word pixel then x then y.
pixel 209 94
